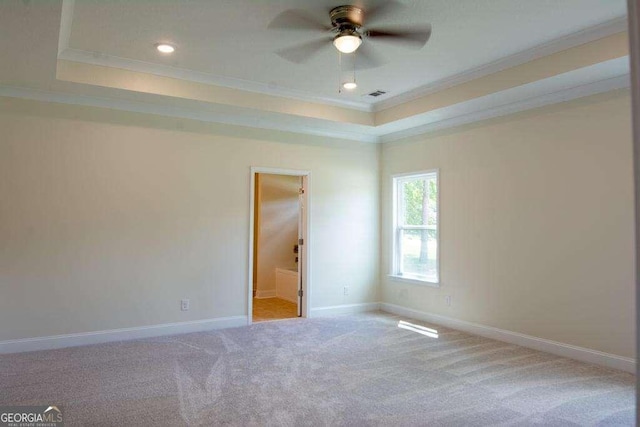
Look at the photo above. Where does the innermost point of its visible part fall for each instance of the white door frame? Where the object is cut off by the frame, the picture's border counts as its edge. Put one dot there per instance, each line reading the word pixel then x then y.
pixel 634 51
pixel 304 251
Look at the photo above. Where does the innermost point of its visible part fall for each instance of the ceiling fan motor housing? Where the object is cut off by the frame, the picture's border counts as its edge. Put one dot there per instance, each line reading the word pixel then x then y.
pixel 349 32
pixel 347 17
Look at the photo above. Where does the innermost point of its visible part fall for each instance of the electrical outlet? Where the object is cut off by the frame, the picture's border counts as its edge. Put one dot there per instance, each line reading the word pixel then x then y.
pixel 184 305
pixel 447 300
pixel 346 290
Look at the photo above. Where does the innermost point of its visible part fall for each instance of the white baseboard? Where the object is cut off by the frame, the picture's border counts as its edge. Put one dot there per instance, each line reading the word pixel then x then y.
pixel 266 294
pixel 554 347
pixel 336 310
pixel 97 337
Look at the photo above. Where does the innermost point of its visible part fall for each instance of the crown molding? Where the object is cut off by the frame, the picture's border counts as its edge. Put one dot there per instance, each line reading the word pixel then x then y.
pixel 605 29
pixel 265 120
pixel 65 52
pixel 590 34
pixel 599 78
pixel 592 88
pixel 66 19
pixel 101 59
pixel 590 80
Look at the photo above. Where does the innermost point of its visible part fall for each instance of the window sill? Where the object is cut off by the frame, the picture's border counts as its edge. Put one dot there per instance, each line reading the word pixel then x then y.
pixel 413 281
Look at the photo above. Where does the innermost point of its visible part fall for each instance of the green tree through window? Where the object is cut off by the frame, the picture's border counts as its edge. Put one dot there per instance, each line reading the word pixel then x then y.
pixel 417 216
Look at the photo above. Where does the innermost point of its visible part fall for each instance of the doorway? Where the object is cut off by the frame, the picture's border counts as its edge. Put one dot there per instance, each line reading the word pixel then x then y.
pixel 278 267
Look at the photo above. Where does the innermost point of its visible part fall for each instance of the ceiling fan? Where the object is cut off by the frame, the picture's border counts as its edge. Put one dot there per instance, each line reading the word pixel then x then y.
pixel 350 32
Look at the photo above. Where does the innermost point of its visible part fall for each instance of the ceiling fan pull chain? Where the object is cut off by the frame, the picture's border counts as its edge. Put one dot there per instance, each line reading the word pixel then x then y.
pixel 355 58
pixel 339 72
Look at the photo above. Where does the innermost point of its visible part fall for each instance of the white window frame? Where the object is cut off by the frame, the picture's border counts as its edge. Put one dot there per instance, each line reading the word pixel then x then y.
pixel 396 274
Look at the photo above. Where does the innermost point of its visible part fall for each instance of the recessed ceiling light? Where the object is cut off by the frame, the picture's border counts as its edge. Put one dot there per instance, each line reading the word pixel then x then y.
pixel 165 48
pixel 349 85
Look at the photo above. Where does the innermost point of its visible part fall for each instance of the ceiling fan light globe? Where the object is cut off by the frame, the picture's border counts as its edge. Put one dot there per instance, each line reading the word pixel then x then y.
pixel 347 43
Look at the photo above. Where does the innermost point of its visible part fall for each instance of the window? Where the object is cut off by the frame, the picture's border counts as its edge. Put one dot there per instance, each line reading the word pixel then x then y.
pixel 415 249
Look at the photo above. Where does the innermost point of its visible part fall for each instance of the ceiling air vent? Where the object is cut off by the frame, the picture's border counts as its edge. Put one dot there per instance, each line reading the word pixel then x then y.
pixel 377 93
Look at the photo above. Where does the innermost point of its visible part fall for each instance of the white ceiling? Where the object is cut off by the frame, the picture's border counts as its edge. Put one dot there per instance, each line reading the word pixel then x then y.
pixel 229 40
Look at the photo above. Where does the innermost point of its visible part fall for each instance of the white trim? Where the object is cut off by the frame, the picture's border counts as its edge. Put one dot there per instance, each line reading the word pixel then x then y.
pixel 616 25
pixel 554 347
pixel 412 281
pixel 337 310
pixel 279 171
pixel 66 20
pixel 386 133
pixel 305 250
pixel 396 179
pixel 269 121
pixel 266 294
pixel 105 60
pixel 122 334
pixel 593 88
pixel 633 7
pixel 605 29
pixel 77 55
pixel 580 80
pixel 545 92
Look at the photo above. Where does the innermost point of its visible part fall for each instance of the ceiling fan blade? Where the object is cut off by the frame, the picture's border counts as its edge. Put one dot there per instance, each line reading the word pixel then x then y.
pixel 414 37
pixel 381 9
pixel 294 19
pixel 366 58
pixel 303 52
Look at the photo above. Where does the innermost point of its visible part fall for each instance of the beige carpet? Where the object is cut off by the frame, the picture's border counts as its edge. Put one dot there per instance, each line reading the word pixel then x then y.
pixel 353 370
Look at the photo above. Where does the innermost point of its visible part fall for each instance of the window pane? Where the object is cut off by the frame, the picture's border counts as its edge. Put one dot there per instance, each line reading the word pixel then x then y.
pixel 418 250
pixel 413 202
pixel 419 201
pixel 432 201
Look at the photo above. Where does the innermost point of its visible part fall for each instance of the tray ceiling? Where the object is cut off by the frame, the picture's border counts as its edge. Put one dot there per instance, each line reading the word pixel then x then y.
pixel 485 58
pixel 230 40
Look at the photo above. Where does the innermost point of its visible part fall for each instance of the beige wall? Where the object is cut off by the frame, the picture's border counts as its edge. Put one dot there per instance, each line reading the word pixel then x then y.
pixel 536 215
pixel 278 228
pixel 108 219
